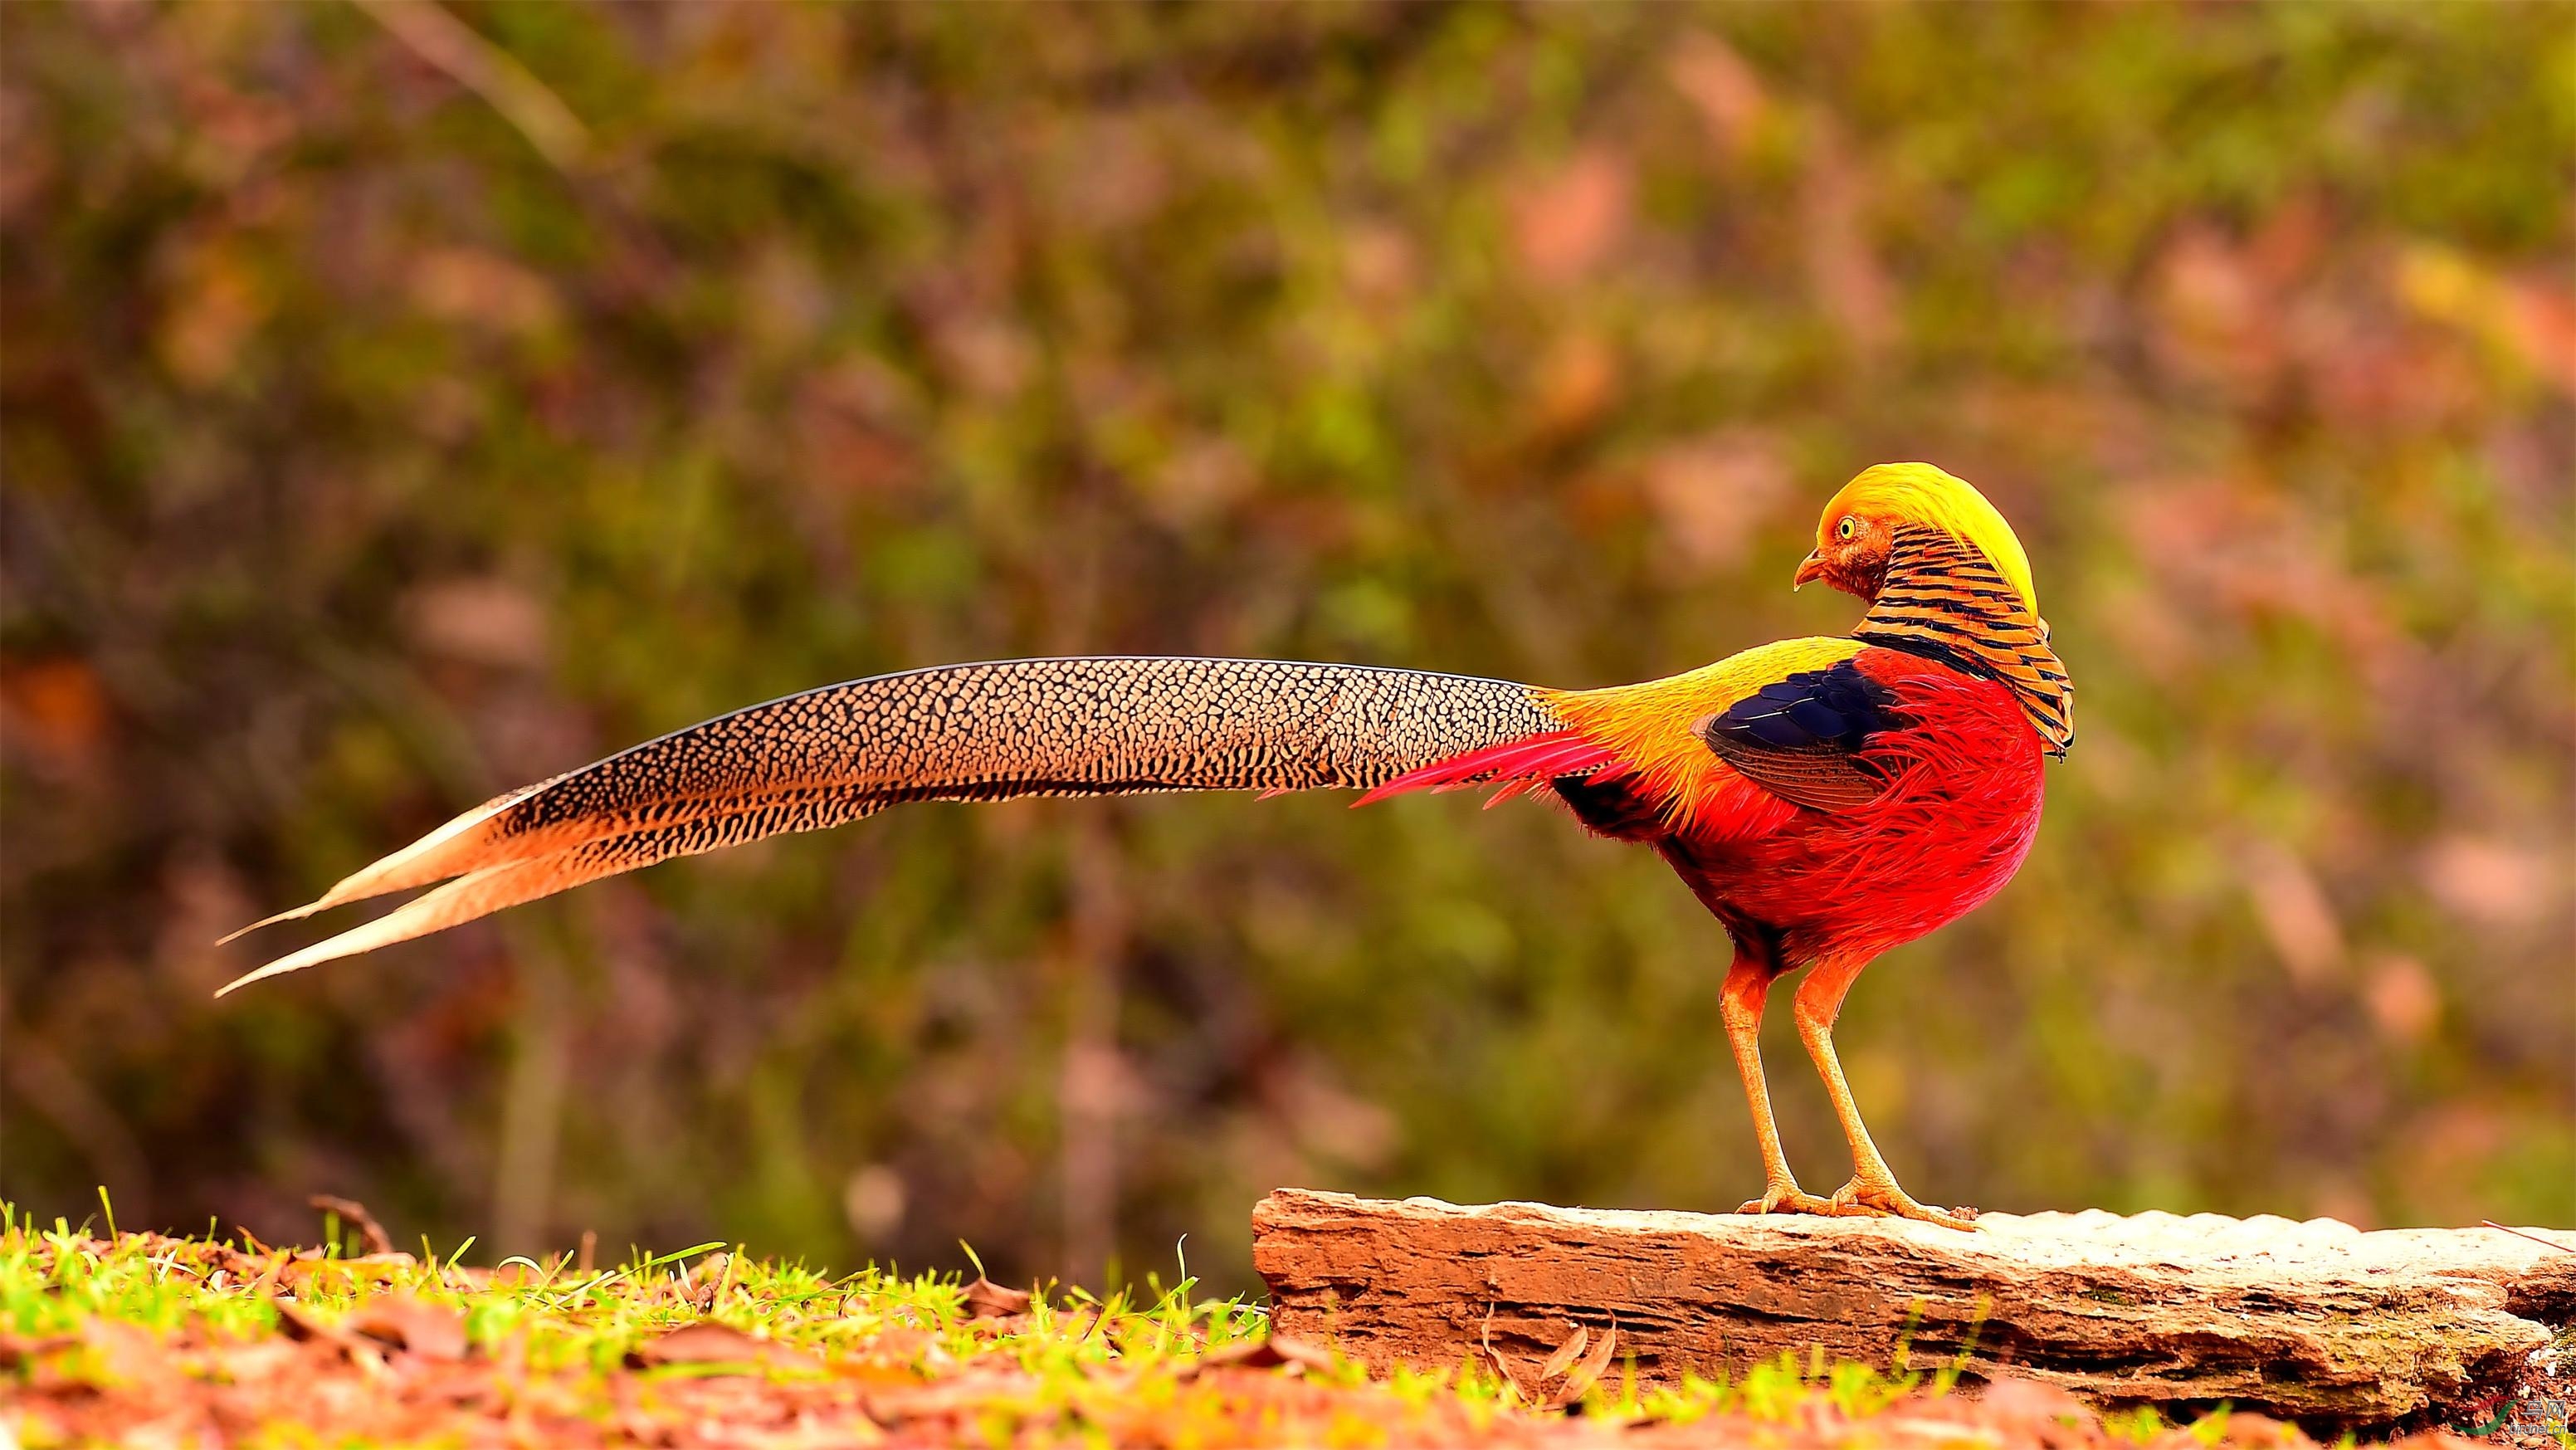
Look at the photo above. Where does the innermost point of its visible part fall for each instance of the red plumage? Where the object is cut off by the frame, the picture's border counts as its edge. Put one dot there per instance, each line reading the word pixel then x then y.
pixel 1959 811
pixel 1518 766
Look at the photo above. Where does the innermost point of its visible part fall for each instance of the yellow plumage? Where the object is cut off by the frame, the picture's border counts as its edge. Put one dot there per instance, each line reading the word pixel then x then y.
pixel 1650 725
pixel 1920 493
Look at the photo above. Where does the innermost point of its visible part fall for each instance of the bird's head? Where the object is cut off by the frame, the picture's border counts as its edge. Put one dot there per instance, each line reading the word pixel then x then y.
pixel 1858 531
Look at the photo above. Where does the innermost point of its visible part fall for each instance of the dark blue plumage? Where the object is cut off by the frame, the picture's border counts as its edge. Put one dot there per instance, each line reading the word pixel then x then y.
pixel 1814 710
pixel 1801 737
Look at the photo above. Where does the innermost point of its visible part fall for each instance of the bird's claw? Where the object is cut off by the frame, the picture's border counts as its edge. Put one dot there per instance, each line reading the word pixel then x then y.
pixel 1786 1198
pixel 1861 1198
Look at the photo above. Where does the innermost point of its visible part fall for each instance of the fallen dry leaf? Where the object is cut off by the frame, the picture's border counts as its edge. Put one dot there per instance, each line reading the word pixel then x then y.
pixel 432 1331
pixel 124 1351
pixel 699 1287
pixel 17 1351
pixel 902 1346
pixel 1588 1373
pixel 298 1324
pixel 1502 1366
pixel 988 1300
pixel 1566 1354
pixel 355 1214
pixel 1278 1351
pixel 516 1271
pixel 311 1266
pixel 708 1342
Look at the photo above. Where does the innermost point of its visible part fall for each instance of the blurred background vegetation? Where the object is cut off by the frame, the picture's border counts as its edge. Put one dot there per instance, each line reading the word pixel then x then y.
pixel 404 402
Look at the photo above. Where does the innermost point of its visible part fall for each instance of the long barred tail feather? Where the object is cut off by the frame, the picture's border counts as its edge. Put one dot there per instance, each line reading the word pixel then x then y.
pixel 1107 725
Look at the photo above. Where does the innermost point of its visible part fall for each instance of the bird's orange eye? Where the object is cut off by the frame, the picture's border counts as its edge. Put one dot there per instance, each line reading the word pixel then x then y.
pixel 1848 527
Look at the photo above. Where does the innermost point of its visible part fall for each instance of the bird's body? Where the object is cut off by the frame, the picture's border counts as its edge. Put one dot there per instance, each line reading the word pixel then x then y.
pixel 1959 812
pixel 1826 798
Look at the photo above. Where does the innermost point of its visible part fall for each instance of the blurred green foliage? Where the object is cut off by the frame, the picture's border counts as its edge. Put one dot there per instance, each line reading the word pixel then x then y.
pixel 404 403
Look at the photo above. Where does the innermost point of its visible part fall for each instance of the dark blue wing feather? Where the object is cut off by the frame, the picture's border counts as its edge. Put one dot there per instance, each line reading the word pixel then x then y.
pixel 1802 737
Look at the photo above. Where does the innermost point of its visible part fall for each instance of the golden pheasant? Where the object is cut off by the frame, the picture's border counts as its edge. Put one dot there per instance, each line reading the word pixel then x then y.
pixel 1825 798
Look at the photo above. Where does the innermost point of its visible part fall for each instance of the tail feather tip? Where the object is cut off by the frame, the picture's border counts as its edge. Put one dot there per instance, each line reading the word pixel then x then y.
pixel 294 913
pixel 276 968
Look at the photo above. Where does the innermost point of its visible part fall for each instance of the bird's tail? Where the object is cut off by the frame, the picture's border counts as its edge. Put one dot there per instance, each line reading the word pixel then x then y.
pixel 1517 766
pixel 1088 726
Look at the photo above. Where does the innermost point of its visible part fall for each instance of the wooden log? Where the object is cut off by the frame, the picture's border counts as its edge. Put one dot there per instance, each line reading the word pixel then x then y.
pixel 2318 1320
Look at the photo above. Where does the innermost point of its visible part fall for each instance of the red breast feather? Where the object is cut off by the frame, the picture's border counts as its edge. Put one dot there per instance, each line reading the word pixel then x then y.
pixel 1959 814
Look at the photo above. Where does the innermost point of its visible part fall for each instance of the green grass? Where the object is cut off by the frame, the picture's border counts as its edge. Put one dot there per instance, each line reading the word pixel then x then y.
pixel 1072 1359
pixel 55 1281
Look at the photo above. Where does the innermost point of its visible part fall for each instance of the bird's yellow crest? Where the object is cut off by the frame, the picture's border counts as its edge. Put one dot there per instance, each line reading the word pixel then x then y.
pixel 1920 493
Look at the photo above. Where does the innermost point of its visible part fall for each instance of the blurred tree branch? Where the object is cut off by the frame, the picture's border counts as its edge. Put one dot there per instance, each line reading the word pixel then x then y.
pixel 477 64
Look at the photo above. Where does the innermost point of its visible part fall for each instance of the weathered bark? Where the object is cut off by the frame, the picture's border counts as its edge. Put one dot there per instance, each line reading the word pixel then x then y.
pixel 2316 1320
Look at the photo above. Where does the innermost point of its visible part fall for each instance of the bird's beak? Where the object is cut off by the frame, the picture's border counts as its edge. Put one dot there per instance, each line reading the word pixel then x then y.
pixel 1810 569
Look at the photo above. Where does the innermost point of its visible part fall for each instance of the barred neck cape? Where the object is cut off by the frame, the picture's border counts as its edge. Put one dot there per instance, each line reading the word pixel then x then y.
pixel 1946 600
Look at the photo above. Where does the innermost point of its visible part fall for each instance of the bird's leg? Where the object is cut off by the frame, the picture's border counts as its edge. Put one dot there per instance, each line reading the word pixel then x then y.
pixel 1873 1189
pixel 1748 984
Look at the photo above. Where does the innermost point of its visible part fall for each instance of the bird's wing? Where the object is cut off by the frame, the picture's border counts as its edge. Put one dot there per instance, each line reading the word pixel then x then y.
pixel 1087 726
pixel 1648 735
pixel 1791 718
pixel 1803 737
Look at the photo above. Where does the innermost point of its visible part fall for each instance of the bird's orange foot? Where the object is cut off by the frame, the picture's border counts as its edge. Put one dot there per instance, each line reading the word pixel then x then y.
pixel 1787 1197
pixel 1862 1198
